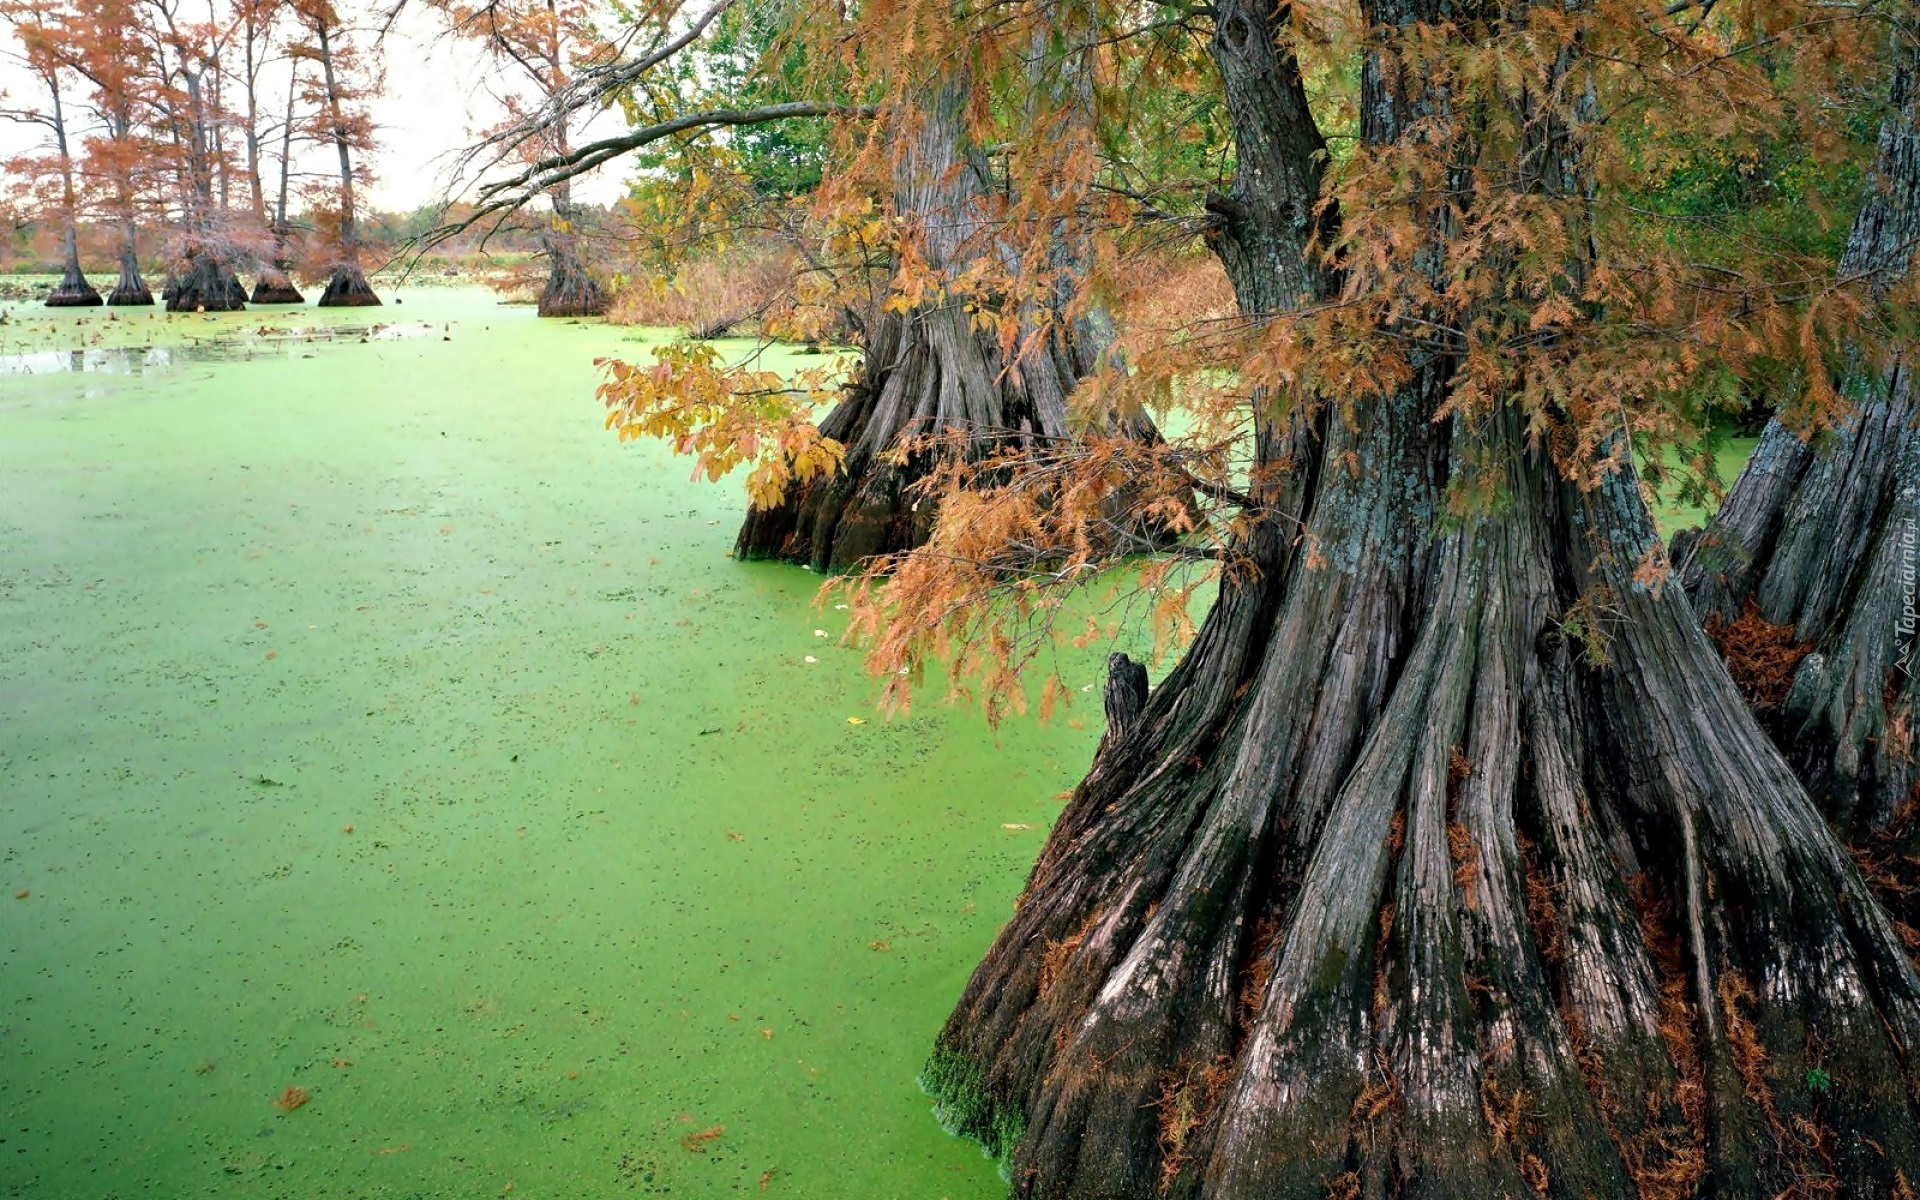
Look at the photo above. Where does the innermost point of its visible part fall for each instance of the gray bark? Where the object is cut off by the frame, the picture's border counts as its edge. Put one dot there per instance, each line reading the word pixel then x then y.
pixel 1395 888
pixel 1818 535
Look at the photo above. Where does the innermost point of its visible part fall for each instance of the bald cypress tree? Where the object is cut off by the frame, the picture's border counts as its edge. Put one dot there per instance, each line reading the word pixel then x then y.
pixel 1450 861
pixel 1816 541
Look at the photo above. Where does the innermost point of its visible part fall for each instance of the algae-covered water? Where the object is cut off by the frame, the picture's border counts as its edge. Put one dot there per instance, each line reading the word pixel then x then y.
pixel 371 723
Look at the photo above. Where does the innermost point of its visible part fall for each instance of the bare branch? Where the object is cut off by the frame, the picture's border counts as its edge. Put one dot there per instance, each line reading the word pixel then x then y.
pixel 506 196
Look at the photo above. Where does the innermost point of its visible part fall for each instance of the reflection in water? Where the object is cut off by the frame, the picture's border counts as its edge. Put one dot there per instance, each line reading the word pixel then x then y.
pixel 238 347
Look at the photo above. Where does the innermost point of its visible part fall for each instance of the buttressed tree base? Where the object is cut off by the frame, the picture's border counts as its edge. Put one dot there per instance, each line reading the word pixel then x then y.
pixel 1449 861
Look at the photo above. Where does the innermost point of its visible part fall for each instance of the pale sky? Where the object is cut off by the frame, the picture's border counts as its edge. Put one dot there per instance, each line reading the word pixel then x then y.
pixel 437 93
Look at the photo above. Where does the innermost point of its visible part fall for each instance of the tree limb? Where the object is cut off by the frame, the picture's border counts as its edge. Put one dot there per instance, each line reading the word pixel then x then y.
pixel 508 195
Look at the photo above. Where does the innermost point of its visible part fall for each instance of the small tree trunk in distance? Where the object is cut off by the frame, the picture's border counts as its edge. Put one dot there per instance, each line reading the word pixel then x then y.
pixel 204 282
pixel 347 287
pixel 1819 539
pixel 203 279
pixel 275 284
pixel 129 289
pixel 1407 882
pixel 571 289
pixel 73 290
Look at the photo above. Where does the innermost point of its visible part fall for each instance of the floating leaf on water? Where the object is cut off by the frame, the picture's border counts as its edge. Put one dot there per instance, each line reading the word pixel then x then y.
pixel 1015 825
pixel 697 1142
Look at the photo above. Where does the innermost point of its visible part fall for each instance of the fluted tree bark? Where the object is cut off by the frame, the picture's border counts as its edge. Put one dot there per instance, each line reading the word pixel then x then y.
pixel 1818 535
pixel 1406 882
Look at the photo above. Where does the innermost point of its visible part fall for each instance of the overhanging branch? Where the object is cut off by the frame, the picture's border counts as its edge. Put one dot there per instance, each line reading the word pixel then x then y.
pixel 507 196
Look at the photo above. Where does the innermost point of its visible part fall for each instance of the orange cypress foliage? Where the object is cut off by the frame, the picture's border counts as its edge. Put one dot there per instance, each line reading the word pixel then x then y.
pixel 1634 351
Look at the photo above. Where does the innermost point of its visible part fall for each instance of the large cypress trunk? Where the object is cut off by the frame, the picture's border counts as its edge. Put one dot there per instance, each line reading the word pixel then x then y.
pixel 930 370
pixel 1449 862
pixel 1813 553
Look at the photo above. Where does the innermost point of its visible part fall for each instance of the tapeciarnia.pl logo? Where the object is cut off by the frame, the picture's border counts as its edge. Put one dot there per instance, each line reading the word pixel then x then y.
pixel 1904 630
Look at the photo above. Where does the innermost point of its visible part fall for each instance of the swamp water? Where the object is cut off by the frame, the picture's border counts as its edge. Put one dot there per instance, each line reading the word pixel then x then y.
pixel 372 723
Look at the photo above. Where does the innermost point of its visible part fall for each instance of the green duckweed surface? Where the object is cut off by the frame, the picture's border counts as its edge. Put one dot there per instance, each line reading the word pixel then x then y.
pixel 372 723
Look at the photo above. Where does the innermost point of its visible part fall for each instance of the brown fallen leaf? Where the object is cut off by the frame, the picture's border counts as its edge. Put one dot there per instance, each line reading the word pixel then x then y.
pixel 879 945
pixel 696 1143
pixel 736 837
